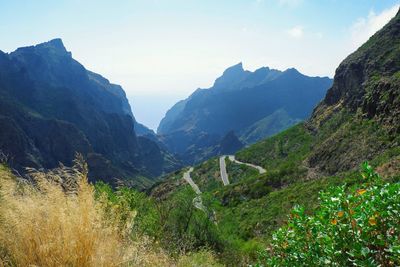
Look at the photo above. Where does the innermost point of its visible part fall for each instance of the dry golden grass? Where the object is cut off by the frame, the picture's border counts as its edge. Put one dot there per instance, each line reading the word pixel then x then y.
pixel 50 224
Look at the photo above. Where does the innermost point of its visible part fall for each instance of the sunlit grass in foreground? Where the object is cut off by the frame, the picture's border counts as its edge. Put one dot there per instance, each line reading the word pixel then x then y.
pixel 56 221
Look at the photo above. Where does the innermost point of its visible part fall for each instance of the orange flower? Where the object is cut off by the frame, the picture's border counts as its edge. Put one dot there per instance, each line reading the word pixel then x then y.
pixel 334 222
pixel 372 221
pixel 361 192
pixel 351 212
pixel 340 214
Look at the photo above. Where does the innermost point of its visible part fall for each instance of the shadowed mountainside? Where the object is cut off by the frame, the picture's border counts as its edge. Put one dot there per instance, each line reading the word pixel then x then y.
pixel 52 107
pixel 252 105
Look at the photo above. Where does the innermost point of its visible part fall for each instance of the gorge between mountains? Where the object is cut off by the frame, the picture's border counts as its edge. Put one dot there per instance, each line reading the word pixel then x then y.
pixel 54 107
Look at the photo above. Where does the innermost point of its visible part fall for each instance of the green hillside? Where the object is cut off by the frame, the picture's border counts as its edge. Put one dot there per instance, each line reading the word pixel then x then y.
pixel 357 121
pixel 323 192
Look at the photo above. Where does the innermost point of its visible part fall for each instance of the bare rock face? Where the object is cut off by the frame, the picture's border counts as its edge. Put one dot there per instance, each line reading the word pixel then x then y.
pixel 368 81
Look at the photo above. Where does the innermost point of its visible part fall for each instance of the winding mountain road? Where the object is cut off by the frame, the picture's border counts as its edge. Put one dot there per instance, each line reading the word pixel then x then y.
pixel 224 173
pixel 197 201
pixel 188 179
pixel 222 168
pixel 261 170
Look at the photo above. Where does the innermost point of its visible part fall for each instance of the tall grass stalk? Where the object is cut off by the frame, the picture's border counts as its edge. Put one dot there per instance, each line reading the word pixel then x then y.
pixel 56 221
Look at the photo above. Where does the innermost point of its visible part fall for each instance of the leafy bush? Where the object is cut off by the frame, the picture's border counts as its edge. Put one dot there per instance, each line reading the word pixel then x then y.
pixel 359 226
pixel 184 227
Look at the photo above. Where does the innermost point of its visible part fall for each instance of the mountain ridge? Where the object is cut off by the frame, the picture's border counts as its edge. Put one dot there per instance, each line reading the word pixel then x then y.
pixel 237 100
pixel 43 87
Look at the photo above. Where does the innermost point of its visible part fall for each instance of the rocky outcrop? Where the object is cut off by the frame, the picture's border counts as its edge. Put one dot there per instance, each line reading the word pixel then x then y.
pixel 367 81
pixel 359 117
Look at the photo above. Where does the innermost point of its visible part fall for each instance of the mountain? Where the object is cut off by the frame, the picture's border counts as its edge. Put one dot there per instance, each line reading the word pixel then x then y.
pixel 253 105
pixel 204 146
pixel 52 107
pixel 141 129
pixel 358 120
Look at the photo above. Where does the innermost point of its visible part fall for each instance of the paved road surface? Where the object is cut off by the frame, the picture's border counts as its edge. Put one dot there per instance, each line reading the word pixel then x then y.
pixel 188 179
pixel 261 170
pixel 197 201
pixel 222 168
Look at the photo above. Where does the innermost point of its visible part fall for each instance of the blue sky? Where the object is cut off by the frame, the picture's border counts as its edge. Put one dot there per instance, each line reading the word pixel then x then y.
pixel 162 50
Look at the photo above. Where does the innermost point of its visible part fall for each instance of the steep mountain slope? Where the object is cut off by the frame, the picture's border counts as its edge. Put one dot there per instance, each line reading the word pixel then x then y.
pixel 358 120
pixel 141 129
pixel 268 126
pixel 52 107
pixel 244 102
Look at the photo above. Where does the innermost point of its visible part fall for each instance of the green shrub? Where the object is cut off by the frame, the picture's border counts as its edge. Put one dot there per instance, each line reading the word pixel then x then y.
pixel 201 258
pixel 359 226
pixel 125 200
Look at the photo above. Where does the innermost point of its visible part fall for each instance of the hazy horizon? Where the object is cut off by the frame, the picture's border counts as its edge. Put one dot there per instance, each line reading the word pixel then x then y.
pixel 161 51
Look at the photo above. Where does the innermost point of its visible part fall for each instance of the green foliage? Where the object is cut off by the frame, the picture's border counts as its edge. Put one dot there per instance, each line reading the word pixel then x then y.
pixel 359 226
pixel 202 258
pixel 238 172
pixel 311 157
pixel 272 124
pixel 286 148
pixel 206 175
pixel 124 201
pixel 184 227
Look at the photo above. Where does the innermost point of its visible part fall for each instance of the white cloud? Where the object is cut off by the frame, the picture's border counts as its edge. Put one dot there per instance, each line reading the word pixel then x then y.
pixel 290 3
pixel 296 31
pixel 365 27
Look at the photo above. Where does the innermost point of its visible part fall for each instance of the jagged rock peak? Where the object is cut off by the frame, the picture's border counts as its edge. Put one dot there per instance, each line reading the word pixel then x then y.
pixel 235 68
pixel 230 76
pixel 54 46
pixel 56 43
pixel 292 71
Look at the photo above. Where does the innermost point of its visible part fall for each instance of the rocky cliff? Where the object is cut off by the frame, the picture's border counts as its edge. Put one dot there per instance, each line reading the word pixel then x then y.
pixel 52 107
pixel 362 108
